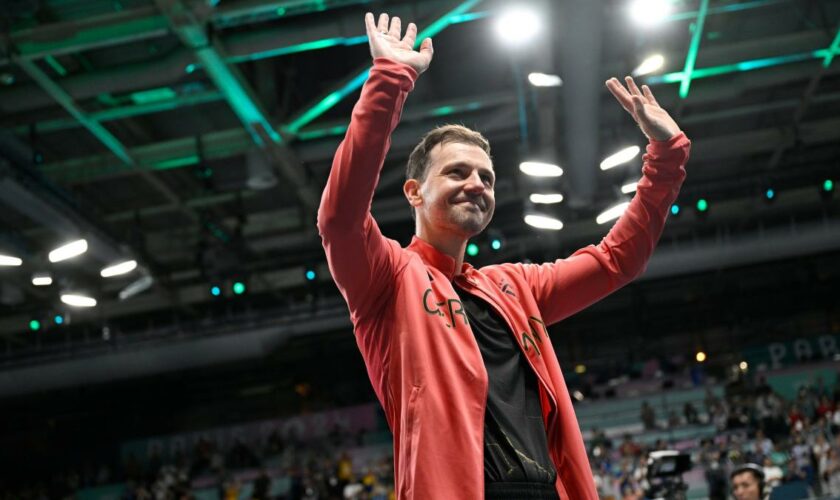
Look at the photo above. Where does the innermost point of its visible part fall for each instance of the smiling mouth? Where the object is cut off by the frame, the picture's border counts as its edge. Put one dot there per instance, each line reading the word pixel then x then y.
pixel 472 204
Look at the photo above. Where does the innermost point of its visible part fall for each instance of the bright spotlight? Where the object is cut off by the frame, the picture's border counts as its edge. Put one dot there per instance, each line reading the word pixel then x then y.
pixel 649 12
pixel 650 65
pixel 543 222
pixel 118 269
pixel 517 25
pixel 539 169
pixel 622 156
pixel 42 279
pixel 544 80
pixel 8 260
pixel 78 300
pixel 630 187
pixel 547 198
pixel 68 251
pixel 743 365
pixel 700 357
pixel 612 213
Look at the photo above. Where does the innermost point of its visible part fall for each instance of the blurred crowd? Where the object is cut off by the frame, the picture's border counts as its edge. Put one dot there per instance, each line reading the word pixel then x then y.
pixel 794 441
pixel 315 470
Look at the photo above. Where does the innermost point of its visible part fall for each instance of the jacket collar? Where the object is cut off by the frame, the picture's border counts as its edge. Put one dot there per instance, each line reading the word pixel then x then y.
pixel 431 256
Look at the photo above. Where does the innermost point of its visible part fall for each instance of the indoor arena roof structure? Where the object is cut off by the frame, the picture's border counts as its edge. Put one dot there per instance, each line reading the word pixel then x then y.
pixel 195 137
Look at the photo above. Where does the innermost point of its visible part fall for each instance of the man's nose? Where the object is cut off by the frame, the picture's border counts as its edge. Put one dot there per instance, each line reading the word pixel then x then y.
pixel 474 183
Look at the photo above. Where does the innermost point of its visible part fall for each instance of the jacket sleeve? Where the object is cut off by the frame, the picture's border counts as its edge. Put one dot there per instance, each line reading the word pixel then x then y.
pixel 566 286
pixel 362 261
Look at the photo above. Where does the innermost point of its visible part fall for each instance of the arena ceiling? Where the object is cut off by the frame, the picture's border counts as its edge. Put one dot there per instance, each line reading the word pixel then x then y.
pixel 195 138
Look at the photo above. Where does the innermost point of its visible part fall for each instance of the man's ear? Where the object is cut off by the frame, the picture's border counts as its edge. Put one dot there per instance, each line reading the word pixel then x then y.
pixel 411 188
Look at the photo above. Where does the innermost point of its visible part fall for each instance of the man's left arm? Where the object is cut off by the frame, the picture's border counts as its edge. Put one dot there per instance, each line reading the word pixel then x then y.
pixel 566 286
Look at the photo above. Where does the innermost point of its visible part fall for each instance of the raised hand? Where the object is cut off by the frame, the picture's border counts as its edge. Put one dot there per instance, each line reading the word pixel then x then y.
pixel 385 42
pixel 654 121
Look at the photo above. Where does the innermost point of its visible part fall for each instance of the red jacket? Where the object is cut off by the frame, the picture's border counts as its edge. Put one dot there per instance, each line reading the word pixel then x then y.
pixel 412 331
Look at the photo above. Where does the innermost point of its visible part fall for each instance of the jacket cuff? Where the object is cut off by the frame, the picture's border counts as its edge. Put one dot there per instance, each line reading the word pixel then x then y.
pixel 402 72
pixel 675 150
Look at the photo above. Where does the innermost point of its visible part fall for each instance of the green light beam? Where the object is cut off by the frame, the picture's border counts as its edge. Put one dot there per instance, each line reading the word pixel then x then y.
pixel 722 9
pixel 832 50
pixel 355 82
pixel 694 48
pixel 750 65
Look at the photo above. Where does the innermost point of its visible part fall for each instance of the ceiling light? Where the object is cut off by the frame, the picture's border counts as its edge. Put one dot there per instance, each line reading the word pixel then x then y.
pixel 612 213
pixel 69 250
pixel 544 80
pixel 648 13
pixel 8 260
pixel 538 169
pixel 543 222
pixel 517 25
pixel 42 279
pixel 650 65
pixel 630 187
pixel 622 156
pixel 78 300
pixel 138 286
pixel 546 199
pixel 118 269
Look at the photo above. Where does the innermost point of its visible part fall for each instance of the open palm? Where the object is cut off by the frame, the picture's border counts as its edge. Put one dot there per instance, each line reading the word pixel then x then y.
pixel 654 121
pixel 385 41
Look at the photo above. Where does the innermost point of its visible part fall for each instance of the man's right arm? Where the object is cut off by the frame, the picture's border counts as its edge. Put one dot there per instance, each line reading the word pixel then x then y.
pixel 361 260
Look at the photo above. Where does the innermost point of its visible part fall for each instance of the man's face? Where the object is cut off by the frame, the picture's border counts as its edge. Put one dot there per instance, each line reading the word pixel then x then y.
pixel 457 193
pixel 745 486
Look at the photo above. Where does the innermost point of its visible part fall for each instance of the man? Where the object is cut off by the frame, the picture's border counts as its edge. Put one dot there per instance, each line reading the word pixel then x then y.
pixel 460 357
pixel 747 482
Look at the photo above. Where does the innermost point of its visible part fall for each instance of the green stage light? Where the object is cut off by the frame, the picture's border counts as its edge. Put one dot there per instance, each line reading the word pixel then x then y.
pixel 702 205
pixel 34 325
pixel 496 244
pixel 472 249
pixel 828 185
pixel 239 288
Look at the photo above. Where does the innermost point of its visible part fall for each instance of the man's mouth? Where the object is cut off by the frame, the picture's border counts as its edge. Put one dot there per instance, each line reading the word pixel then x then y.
pixel 473 203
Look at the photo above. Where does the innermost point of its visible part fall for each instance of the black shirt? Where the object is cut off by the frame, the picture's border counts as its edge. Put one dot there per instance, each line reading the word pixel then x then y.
pixel 515 443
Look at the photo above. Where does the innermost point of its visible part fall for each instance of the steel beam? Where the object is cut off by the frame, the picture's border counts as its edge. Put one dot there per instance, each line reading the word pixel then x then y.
pixel 182 152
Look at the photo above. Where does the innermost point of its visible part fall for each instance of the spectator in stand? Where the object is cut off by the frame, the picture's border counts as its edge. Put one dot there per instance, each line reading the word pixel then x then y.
pixel 795 472
pixel 648 416
pixel 830 472
pixel 673 419
pixel 690 414
pixel 629 448
pixel 826 407
pixel 773 474
pixel 765 444
pixel 262 485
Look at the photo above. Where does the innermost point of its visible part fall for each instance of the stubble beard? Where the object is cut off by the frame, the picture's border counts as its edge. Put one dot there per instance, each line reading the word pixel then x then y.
pixel 470 222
